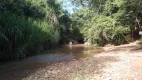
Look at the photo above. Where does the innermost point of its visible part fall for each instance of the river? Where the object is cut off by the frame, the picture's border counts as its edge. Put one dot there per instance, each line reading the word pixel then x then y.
pixel 17 70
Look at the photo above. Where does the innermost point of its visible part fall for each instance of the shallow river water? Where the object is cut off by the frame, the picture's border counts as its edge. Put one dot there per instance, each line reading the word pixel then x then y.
pixel 18 70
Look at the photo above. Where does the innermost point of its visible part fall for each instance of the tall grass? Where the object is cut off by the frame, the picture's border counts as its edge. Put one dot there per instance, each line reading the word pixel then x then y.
pixel 20 36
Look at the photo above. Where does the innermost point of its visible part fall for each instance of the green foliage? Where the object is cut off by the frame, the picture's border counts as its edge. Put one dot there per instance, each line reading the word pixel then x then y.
pixel 69 30
pixel 28 27
pixel 21 36
pixel 106 21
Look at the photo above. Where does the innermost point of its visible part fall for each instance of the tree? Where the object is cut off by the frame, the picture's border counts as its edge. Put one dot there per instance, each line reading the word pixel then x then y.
pixel 107 21
pixel 28 27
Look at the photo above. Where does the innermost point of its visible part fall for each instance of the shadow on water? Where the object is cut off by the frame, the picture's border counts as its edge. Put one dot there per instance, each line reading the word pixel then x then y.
pixel 21 69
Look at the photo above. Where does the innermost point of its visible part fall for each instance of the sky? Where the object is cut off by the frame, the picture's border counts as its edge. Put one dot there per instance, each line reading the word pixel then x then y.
pixel 67 5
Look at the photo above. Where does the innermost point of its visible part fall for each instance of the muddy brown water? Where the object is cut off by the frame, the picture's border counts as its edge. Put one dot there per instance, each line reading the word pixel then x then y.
pixel 18 70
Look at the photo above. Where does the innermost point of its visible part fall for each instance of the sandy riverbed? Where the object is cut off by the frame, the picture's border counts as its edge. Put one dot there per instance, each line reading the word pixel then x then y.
pixel 116 63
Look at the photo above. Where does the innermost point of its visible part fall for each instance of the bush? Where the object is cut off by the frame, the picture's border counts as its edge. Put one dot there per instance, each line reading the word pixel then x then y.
pixel 22 36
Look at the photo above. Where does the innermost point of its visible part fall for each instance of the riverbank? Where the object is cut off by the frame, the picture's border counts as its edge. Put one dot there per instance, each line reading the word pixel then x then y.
pixel 116 63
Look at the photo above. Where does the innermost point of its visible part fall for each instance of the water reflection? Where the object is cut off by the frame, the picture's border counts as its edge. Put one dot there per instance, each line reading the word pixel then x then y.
pixel 19 70
pixel 68 53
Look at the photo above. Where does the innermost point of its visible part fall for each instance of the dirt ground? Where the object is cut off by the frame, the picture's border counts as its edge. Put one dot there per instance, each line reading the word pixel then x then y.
pixel 122 62
pixel 116 63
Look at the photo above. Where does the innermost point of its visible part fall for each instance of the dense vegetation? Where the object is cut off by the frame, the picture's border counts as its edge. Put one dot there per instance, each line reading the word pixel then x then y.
pixel 108 21
pixel 28 27
pixel 31 26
